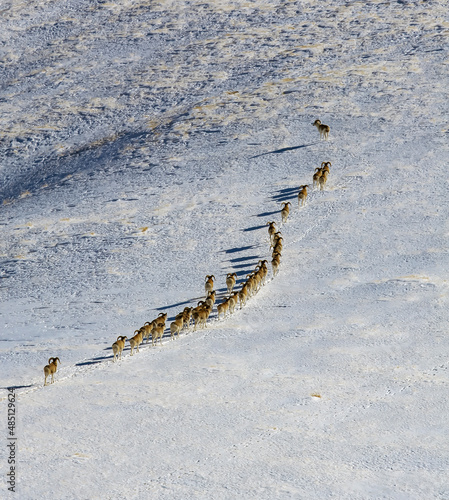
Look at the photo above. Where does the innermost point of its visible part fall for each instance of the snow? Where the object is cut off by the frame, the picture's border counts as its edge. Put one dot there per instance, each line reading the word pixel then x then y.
pixel 145 145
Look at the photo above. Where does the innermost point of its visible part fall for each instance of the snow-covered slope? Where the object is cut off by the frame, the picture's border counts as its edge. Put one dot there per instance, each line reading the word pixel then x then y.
pixel 145 145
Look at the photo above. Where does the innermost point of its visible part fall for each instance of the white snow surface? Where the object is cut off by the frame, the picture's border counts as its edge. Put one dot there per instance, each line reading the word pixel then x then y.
pixel 146 144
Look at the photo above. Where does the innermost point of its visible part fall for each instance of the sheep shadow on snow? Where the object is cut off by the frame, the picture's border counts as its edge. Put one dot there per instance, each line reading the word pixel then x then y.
pixel 284 150
pixel 286 194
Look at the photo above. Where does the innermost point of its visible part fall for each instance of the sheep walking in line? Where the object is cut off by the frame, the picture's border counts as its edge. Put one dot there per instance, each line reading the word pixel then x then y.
pixel 176 327
pixel 223 308
pixel 302 195
pixel 136 340
pixel 275 262
pixel 157 333
pixel 210 299
pixel 118 346
pixel 161 319
pixel 323 180
pixel 254 281
pixel 209 285
pixel 322 129
pixel 186 316
pixel 285 211
pixel 50 369
pixel 271 229
pixel 316 177
pixel 231 279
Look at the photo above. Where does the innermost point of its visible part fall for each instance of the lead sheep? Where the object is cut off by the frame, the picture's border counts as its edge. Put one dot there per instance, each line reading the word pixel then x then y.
pixel 50 369
pixel 322 129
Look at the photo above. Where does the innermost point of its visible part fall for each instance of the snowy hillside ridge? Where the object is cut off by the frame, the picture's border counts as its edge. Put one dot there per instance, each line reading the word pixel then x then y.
pixel 144 145
pixel 84 74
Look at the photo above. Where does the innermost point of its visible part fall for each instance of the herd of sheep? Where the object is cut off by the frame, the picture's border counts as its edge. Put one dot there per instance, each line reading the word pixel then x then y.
pixel 199 315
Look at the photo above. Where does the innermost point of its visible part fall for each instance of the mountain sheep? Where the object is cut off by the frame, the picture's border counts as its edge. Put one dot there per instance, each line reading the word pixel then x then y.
pixel 136 340
pixel 285 211
pixel 176 327
pixel 316 176
pixel 118 346
pixel 50 369
pixel 157 333
pixel 302 195
pixel 271 229
pixel 223 308
pixel 231 279
pixel 322 129
pixel 323 179
pixel 209 285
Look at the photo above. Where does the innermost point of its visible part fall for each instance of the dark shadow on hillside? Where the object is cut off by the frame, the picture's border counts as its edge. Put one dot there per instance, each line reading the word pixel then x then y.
pixel 59 168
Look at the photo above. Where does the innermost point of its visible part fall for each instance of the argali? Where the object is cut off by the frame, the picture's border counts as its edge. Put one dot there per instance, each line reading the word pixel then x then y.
pixel 118 346
pixel 231 279
pixel 209 285
pixel 136 340
pixel 302 195
pixel 50 369
pixel 271 229
pixel 223 308
pixel 322 129
pixel 210 299
pixel 323 179
pixel 176 326
pixel 316 177
pixel 275 262
pixel 157 333
pixel 285 211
